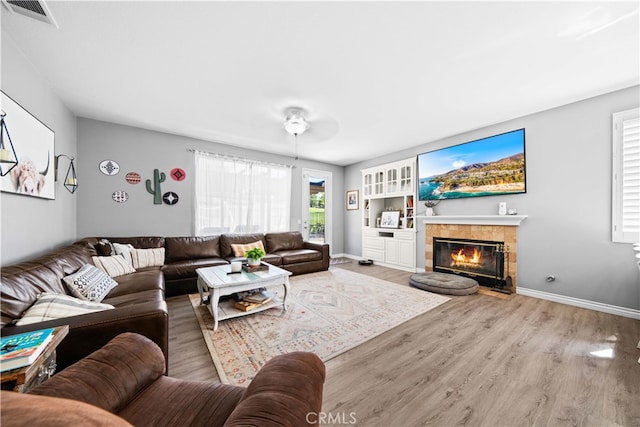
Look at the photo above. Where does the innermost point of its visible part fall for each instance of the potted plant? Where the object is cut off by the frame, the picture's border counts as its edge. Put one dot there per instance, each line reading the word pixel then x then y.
pixel 254 255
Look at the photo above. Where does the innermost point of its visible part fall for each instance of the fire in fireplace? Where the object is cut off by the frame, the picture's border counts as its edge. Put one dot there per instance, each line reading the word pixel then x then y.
pixel 481 260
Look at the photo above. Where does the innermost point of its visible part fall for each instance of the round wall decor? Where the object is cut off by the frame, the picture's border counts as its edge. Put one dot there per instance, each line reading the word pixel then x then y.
pixel 178 174
pixel 120 196
pixel 170 198
pixel 109 167
pixel 132 178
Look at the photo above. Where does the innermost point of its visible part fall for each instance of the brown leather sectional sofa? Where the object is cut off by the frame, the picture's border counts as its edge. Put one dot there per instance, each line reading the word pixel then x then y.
pixel 139 299
pixel 183 255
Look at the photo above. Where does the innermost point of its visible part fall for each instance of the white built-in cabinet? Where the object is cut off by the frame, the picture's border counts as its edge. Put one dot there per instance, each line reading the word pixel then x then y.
pixel 390 187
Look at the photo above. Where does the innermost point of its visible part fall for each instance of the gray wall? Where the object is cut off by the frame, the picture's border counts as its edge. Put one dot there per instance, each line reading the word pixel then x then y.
pixel 31 226
pixel 140 150
pixel 568 201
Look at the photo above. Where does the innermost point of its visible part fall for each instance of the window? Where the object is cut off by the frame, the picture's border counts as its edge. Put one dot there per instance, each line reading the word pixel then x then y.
pixel 626 176
pixel 234 195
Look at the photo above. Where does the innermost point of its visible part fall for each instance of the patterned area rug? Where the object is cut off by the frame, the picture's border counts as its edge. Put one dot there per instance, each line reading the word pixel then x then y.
pixel 329 312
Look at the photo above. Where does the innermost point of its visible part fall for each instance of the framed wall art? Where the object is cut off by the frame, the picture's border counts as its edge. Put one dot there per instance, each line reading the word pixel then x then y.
pixel 34 146
pixel 352 200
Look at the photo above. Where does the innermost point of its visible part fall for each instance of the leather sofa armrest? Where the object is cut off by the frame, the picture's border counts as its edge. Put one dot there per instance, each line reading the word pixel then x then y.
pixel 110 377
pixel 322 247
pixel 91 331
pixel 287 391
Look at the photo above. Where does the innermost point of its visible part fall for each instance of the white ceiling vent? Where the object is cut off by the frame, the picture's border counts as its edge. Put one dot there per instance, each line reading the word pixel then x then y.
pixel 36 9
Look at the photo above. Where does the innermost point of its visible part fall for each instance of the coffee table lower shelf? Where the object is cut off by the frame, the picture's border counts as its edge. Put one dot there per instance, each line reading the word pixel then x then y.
pixel 227 310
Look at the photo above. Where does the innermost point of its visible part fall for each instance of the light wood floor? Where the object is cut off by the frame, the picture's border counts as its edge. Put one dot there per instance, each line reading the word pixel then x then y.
pixel 474 361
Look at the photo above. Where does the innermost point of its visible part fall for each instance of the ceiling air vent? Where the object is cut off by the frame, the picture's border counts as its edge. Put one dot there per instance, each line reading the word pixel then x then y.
pixel 36 9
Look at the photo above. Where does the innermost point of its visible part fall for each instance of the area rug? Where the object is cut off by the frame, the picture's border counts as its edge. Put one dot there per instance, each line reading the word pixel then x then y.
pixel 328 313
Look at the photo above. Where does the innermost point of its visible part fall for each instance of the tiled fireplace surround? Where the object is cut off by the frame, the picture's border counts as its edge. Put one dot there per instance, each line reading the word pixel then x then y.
pixel 489 227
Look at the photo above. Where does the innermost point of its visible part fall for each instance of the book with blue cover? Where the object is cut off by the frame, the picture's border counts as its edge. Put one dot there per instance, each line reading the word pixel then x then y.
pixel 23 349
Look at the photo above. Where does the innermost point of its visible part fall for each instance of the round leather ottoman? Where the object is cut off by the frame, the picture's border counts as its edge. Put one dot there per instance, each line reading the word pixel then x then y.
pixel 443 283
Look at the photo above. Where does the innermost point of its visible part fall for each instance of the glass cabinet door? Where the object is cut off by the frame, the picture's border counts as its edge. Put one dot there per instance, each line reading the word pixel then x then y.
pixel 392 181
pixel 406 182
pixel 379 183
pixel 367 186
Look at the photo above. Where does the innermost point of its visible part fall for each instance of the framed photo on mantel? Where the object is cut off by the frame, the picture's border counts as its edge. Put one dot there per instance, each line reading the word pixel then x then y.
pixel 352 200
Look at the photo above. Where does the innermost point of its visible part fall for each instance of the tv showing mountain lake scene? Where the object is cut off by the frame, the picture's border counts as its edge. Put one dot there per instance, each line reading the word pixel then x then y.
pixel 492 166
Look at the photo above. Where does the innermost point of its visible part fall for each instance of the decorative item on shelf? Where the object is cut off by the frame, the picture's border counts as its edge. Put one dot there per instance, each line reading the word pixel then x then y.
pixel 352 200
pixel 158 177
pixel 390 219
pixel 430 204
pixel 254 256
pixel 8 157
pixel 70 179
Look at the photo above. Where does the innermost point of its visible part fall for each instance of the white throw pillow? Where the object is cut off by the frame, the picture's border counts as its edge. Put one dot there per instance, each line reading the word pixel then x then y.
pixel 89 283
pixel 124 250
pixel 147 257
pixel 50 306
pixel 114 265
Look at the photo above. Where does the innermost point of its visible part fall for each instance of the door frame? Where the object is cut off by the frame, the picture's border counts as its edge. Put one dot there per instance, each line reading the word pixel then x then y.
pixel 328 202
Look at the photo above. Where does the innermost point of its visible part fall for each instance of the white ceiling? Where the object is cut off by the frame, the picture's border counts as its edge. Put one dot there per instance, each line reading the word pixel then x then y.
pixel 374 77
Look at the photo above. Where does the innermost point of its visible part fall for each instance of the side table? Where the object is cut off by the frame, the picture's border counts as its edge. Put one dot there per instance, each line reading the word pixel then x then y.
pixel 27 377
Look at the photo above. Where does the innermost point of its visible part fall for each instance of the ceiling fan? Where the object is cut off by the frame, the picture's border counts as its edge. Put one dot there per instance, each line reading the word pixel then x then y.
pixel 281 123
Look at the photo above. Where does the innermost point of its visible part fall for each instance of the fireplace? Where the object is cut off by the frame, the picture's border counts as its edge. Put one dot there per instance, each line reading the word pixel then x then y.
pixel 482 260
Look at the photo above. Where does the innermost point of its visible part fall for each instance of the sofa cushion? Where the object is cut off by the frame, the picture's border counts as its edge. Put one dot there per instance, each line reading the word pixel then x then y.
pixel 192 247
pixel 124 250
pixel 284 241
pixel 50 306
pixel 89 283
pixel 187 268
pixel 141 280
pixel 153 257
pixel 23 282
pixel 227 239
pixel 114 265
pixel 299 255
pixel 240 249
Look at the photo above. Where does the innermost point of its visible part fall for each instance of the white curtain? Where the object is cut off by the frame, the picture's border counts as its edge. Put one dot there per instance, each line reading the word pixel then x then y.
pixel 234 195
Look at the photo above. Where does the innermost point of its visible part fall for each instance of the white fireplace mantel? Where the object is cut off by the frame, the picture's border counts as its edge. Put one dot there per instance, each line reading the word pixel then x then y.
pixel 506 220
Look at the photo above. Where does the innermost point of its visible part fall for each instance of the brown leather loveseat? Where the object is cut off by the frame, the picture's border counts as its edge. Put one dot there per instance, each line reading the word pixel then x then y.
pixel 123 384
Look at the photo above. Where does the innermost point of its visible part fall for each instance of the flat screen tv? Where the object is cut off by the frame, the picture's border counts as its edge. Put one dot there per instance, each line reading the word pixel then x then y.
pixel 492 166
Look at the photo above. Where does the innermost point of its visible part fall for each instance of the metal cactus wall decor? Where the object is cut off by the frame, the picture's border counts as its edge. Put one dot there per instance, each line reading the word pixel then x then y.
pixel 158 177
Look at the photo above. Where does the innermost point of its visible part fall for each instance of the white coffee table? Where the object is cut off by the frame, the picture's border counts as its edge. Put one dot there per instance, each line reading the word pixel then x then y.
pixel 220 282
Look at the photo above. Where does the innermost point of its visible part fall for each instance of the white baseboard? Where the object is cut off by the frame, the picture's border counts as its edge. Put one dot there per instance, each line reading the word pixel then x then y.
pixel 343 255
pixel 583 303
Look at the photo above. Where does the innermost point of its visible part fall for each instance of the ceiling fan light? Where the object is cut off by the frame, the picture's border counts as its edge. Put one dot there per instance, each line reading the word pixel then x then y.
pixel 295 123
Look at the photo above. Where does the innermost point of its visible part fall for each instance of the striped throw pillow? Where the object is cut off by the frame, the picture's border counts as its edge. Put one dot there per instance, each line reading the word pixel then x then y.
pixel 114 265
pixel 89 283
pixel 241 249
pixel 50 306
pixel 147 257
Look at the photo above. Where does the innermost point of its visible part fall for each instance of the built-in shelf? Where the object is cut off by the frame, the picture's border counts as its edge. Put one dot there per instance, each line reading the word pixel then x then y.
pixel 508 220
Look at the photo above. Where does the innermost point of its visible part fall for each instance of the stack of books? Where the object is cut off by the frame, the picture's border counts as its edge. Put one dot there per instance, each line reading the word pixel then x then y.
pixel 251 301
pixel 21 350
